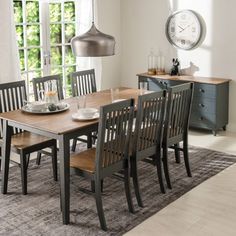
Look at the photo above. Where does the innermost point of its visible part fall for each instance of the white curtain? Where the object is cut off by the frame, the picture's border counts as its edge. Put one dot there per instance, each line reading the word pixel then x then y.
pixel 85 20
pixel 9 55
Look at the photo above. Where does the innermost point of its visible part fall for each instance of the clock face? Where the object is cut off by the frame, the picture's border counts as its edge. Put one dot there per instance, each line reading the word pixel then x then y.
pixel 184 29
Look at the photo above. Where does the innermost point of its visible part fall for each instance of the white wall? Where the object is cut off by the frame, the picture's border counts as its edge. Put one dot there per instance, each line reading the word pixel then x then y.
pixel 143 27
pixel 109 23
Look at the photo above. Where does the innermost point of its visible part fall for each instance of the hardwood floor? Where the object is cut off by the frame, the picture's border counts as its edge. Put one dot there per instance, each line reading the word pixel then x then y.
pixel 208 209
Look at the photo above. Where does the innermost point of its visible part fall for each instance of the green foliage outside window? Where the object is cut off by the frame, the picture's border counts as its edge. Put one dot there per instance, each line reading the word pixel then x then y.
pixel 62 59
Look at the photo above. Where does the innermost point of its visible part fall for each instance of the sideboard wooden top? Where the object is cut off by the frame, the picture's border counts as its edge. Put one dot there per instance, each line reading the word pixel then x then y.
pixel 198 79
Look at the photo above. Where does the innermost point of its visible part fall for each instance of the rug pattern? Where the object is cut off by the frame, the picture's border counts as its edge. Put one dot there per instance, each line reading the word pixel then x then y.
pixel 38 213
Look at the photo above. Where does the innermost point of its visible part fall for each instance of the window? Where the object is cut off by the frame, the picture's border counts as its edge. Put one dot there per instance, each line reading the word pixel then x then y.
pixel 44 30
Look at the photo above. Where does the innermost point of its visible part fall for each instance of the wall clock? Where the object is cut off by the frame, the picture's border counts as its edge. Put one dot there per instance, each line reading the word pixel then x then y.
pixel 184 29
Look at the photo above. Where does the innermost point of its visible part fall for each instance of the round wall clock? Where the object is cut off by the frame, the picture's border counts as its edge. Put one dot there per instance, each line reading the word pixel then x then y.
pixel 184 29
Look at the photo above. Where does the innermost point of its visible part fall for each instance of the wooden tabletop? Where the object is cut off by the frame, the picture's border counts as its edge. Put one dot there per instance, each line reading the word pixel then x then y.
pixel 189 78
pixel 60 123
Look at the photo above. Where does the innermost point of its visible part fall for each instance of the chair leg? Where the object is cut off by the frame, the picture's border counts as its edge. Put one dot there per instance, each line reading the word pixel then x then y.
pixel 98 198
pixel 89 141
pixel 159 171
pixel 127 189
pixel 74 145
pixel 165 165
pixel 93 186
pixel 186 159
pixel 23 165
pixel 54 162
pixel 136 182
pixel 177 153
pixel 38 160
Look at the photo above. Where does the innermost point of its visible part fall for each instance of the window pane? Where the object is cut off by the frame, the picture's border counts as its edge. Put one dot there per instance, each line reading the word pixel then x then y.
pixel 69 57
pixel 22 60
pixel 56 71
pixel 55 12
pixel 56 56
pixel 55 33
pixel 69 32
pixel 33 35
pixel 68 71
pixel 20 36
pixel 18 12
pixel 32 11
pixel 69 11
pixel 34 59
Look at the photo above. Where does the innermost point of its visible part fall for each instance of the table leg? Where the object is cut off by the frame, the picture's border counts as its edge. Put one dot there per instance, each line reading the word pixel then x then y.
pixel 6 149
pixel 64 155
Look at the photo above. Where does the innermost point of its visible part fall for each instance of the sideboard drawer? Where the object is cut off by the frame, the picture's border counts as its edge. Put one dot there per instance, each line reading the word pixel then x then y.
pixel 204 105
pixel 203 120
pixel 204 90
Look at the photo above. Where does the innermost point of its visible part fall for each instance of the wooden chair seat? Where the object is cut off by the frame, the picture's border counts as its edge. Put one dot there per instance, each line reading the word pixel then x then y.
pixel 84 160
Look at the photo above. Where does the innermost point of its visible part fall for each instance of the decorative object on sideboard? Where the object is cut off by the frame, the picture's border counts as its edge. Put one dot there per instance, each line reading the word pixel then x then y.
pixel 152 63
pixel 160 70
pixel 93 43
pixel 175 67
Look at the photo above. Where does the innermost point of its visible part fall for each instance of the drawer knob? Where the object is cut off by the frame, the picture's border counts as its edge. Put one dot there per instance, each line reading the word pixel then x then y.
pixel 201 105
pixel 201 90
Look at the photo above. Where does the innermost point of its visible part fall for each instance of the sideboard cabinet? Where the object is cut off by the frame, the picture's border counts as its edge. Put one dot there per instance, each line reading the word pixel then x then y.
pixel 210 105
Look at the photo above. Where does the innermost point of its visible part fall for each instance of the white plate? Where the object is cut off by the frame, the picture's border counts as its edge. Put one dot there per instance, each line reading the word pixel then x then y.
pixel 78 117
pixel 44 111
pixel 118 100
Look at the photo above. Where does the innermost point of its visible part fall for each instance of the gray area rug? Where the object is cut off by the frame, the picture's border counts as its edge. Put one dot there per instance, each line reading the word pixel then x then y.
pixel 38 213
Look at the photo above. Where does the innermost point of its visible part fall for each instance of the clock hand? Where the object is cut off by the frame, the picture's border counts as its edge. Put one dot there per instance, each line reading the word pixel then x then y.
pixel 181 27
pixel 185 28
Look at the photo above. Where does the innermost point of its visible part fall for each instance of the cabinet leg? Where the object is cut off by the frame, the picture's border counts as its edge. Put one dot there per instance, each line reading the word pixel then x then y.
pixel 214 132
pixel 224 128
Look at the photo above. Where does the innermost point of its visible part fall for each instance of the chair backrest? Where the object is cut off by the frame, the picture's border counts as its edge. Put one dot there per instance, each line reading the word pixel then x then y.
pixel 178 111
pixel 39 84
pixel 83 82
pixel 149 124
pixel 12 96
pixel 115 127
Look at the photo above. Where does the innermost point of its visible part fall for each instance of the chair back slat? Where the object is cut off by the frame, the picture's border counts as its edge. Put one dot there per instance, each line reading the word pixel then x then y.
pixel 179 108
pixel 149 121
pixel 115 126
pixel 39 84
pixel 83 82
pixel 12 96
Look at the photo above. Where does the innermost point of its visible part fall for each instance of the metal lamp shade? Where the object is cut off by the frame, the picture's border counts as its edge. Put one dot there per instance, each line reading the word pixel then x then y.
pixel 93 44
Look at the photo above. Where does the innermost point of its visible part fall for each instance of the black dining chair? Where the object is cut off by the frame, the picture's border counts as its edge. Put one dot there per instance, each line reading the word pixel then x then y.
pixel 176 125
pixel 111 154
pixel 83 83
pixel 12 96
pixel 39 84
pixel 147 136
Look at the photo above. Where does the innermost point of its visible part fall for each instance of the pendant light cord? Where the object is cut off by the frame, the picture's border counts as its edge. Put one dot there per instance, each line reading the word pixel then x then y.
pixel 93 11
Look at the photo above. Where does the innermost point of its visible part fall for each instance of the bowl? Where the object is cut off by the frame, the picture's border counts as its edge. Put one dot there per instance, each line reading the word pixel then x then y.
pixel 37 105
pixel 87 112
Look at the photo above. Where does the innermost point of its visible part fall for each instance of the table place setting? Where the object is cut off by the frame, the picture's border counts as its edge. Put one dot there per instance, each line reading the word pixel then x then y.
pixel 42 107
pixel 84 113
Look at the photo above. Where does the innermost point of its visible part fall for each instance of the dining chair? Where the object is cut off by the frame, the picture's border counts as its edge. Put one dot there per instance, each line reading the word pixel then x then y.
pixel 147 136
pixel 39 85
pixel 111 154
pixel 82 83
pixel 176 125
pixel 12 96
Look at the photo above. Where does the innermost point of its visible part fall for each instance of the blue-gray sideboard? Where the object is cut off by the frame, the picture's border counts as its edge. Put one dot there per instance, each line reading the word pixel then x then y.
pixel 210 106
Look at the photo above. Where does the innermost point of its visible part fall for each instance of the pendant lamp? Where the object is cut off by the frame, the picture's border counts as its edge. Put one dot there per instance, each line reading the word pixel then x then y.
pixel 93 43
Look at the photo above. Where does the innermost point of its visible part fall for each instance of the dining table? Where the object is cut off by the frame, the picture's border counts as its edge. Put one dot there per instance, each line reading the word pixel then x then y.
pixel 59 126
